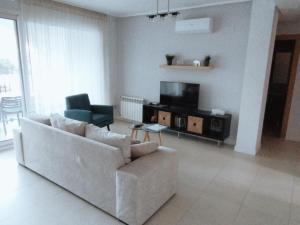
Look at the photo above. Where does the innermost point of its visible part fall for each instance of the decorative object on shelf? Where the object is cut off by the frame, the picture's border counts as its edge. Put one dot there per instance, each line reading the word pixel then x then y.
pixel 218 112
pixel 206 60
pixel 170 59
pixel 180 122
pixel 196 62
pixel 162 14
pixel 154 103
pixel 153 119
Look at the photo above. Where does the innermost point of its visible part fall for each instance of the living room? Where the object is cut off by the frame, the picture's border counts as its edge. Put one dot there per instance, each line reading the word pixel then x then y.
pixel 190 87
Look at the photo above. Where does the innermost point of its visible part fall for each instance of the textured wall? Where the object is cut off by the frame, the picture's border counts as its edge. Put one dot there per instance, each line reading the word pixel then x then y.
pixel 142 46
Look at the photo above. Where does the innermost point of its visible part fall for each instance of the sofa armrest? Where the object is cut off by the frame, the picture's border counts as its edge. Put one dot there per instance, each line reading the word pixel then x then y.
pixel 145 184
pixel 103 109
pixel 79 114
pixel 18 146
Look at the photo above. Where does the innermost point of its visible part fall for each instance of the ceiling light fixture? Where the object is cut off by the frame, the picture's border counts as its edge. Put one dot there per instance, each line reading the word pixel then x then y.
pixel 162 14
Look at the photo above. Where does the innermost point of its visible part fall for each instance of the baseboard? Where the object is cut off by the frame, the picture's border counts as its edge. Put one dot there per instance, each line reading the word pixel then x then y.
pixel 245 150
pixel 124 120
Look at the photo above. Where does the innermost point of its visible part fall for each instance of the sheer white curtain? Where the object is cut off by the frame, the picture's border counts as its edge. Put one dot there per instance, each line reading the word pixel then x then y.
pixel 64 54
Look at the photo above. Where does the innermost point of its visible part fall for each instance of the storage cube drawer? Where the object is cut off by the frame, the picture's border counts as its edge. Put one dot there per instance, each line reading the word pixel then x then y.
pixel 195 124
pixel 164 118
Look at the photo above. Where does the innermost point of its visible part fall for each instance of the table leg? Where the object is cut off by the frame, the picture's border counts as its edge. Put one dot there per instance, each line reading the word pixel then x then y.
pixel 147 136
pixel 160 138
pixel 136 134
pixel 132 133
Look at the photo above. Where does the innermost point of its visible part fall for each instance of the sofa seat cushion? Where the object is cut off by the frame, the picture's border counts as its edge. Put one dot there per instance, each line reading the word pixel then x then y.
pixel 142 149
pixel 100 118
pixel 110 138
pixel 69 125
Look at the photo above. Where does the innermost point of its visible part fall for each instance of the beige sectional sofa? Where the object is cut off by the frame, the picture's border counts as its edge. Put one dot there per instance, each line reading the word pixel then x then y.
pixel 97 172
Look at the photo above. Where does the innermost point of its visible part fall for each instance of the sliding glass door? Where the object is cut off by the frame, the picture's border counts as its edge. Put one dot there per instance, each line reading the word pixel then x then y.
pixel 11 100
pixel 64 55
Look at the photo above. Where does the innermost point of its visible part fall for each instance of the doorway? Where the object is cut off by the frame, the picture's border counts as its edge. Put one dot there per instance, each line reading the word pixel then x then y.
pixel 281 84
pixel 11 100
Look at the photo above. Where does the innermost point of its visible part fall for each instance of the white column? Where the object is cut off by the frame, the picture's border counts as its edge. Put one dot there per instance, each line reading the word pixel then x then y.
pixel 262 34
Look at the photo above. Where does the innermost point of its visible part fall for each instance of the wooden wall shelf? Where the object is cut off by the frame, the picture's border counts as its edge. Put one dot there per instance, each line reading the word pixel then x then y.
pixel 186 66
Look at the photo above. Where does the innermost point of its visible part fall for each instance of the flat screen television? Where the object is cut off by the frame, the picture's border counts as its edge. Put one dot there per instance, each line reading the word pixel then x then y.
pixel 178 94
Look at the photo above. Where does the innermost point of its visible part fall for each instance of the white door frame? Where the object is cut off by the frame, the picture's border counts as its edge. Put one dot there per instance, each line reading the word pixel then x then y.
pixel 8 144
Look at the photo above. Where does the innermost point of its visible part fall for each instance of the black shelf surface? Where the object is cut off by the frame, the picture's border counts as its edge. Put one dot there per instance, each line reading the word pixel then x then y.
pixel 209 120
pixel 188 112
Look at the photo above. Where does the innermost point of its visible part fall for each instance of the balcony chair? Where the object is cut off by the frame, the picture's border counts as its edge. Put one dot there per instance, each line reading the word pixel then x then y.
pixel 79 108
pixel 10 105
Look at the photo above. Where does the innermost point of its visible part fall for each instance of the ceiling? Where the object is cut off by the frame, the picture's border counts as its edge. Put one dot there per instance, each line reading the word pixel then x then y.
pixel 290 9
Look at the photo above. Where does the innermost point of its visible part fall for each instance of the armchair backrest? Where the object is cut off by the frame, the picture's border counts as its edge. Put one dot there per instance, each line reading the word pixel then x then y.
pixel 80 101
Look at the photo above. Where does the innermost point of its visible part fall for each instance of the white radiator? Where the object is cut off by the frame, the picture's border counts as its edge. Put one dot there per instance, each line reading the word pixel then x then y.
pixel 132 108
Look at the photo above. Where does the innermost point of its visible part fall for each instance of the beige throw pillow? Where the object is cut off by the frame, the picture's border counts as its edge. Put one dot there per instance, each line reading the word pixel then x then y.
pixel 69 125
pixel 139 150
pixel 110 138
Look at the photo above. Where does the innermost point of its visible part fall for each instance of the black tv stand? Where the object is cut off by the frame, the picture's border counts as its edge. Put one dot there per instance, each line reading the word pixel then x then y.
pixel 194 122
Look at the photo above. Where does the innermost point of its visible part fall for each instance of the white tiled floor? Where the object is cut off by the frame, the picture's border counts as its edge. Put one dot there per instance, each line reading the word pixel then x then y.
pixel 12 123
pixel 216 186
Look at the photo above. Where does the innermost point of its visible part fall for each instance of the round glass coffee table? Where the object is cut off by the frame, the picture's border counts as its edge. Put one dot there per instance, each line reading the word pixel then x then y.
pixel 148 128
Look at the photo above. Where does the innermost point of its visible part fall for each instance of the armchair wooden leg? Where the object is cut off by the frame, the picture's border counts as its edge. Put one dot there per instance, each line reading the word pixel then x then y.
pixel 133 132
pixel 108 128
pixel 146 136
pixel 160 138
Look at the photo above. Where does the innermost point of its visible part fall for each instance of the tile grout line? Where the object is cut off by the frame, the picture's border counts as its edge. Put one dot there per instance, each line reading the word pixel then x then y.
pixel 244 199
pixel 291 200
pixel 194 203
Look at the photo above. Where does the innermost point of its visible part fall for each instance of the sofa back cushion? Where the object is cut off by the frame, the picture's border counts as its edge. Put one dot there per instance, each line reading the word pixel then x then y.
pixel 142 149
pixel 69 125
pixel 120 141
pixel 40 119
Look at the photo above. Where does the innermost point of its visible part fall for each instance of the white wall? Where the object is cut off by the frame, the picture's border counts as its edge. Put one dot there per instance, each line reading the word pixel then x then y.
pixel 263 26
pixel 9 7
pixel 111 52
pixel 142 47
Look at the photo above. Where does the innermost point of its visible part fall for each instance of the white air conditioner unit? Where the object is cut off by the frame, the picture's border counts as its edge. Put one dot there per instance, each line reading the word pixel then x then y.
pixel 194 26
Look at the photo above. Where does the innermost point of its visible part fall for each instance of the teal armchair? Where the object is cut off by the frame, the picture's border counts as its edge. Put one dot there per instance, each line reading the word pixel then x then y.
pixel 79 108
